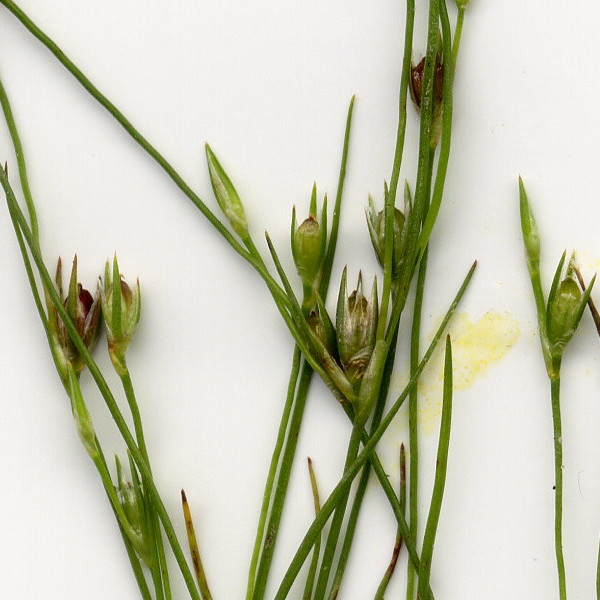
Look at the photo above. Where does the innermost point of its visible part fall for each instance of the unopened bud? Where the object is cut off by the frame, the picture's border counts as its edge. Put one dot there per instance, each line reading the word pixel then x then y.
pixel 563 313
pixel 531 236
pixel 226 195
pixel 376 225
pixel 309 242
pixel 121 307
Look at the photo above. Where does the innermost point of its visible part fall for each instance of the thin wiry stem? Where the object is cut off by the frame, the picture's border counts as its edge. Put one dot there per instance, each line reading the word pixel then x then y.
pixel 329 506
pixel 440 477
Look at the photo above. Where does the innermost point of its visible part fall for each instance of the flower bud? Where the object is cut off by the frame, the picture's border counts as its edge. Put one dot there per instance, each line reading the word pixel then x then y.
pixel 226 195
pixel 563 313
pixel 121 308
pixel 356 328
pixel 462 4
pixel 84 310
pixel 531 236
pixel 136 527
pixel 376 225
pixel 309 242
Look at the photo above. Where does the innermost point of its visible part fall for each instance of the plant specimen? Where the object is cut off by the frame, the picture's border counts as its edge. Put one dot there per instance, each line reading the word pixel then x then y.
pixel 558 318
pixel 354 356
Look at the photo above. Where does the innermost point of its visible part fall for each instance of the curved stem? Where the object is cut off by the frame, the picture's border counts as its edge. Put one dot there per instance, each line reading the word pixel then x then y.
pixel 304 384
pixel 101 383
pixel 16 140
pixel 329 506
pixel 558 486
pixel 143 142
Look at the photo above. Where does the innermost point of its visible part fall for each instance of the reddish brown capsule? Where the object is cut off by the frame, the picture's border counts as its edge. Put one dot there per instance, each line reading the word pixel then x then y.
pixel 416 82
pixel 84 310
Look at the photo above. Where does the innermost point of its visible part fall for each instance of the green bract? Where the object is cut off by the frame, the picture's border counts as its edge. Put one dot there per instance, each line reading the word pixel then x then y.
pixel 531 236
pixel 226 195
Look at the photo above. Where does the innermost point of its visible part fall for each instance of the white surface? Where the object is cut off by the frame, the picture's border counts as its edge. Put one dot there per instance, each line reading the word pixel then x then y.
pixel 267 83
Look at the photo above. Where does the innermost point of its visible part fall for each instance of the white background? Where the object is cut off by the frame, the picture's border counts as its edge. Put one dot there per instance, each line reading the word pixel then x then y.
pixel 267 83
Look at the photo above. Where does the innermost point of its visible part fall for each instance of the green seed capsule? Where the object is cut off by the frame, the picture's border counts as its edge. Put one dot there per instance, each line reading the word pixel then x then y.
pixel 564 313
pixel 309 242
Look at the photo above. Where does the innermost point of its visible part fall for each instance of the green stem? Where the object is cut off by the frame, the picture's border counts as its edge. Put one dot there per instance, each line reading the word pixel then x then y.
pixel 283 425
pixel 440 477
pixel 312 571
pixel 160 574
pixel 22 168
pixel 598 576
pixel 385 580
pixel 558 487
pixel 416 214
pixel 404 78
pixel 413 420
pixel 413 417
pixel 16 140
pixel 335 221
pixel 133 558
pixel 447 110
pixel 329 506
pixel 287 461
pixel 101 383
pixel 338 517
pixel 457 36
pixel 305 378
pixel 361 488
pixel 142 142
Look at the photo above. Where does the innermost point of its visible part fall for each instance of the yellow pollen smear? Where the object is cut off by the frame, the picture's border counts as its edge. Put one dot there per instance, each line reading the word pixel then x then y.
pixel 476 347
